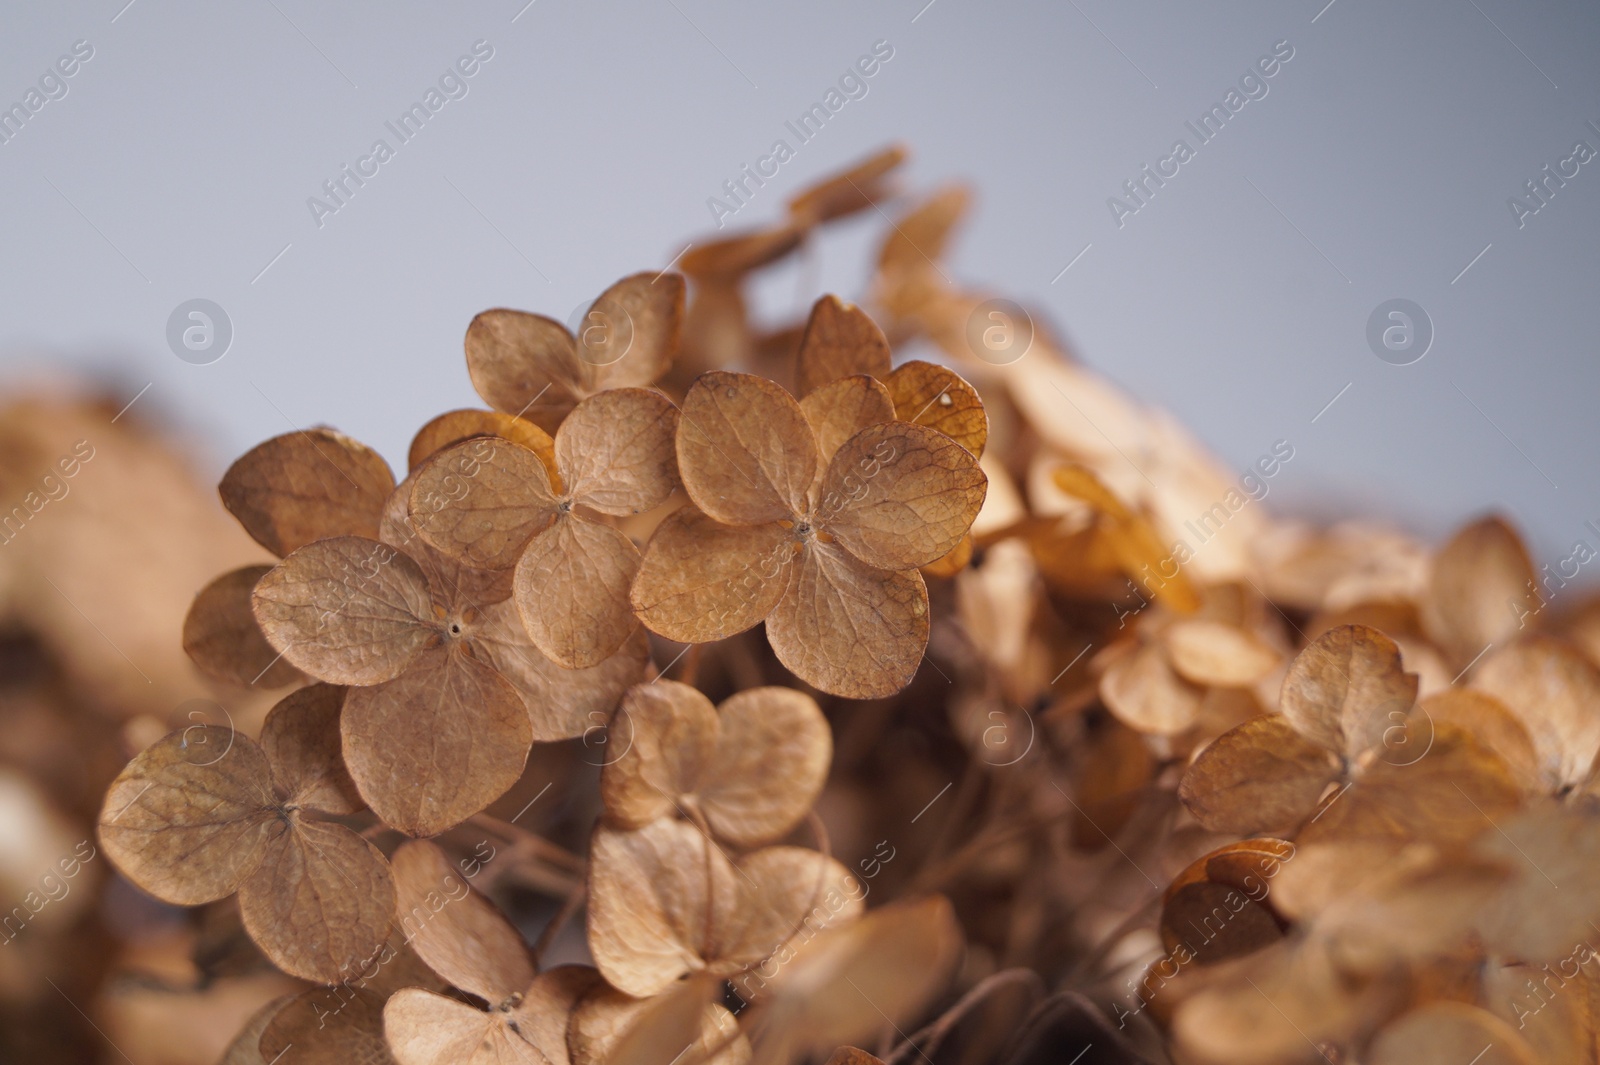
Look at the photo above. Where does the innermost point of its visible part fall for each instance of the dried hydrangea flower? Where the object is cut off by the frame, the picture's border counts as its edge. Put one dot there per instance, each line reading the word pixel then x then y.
pixel 825 553
pixel 206 812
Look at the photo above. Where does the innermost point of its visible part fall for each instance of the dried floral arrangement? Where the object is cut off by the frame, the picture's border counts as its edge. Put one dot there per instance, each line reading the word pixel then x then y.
pixel 725 693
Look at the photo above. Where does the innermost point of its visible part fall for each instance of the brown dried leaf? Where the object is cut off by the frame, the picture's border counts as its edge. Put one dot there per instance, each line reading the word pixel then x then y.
pixel 735 256
pixel 1211 922
pixel 898 495
pixel 190 818
pixel 1554 692
pixel 456 426
pixel 1480 590
pixel 320 902
pixel 847 628
pixel 347 610
pixel 1145 693
pixel 562 703
pixel 458 933
pixel 1216 653
pixel 352 1034
pixel 936 396
pixel 438 744
pixel 571 589
pixel 482 501
pixel 305 486
pixel 839 341
pixel 839 410
pixel 1347 688
pixel 300 738
pixel 615 451
pixel 631 333
pixel 1449 1033
pixel 221 636
pixel 746 453
pixel 523 364
pixel 701 580
pixel 1261 775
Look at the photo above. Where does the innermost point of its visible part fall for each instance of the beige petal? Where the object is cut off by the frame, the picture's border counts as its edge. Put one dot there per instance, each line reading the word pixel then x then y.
pixel 438 744
pixel 1144 692
pixel 1347 688
pixel 1553 898
pixel 701 580
pixel 300 738
pixel 1480 590
pixel 190 818
pixel 655 896
pixel 790 893
pixel 1449 1033
pixel 456 426
pixel 349 1029
pixel 571 590
pixel 1258 776
pixel 562 703
pixel 898 495
pixel 482 501
pixel 457 932
pixel 922 232
pixel 746 454
pixel 1490 722
pixel 347 611
pixel 938 397
pixel 771 760
pixel 847 628
pixel 616 451
pixel 631 333
pixel 221 636
pixel 839 410
pixel 674 732
pixel 682 1025
pixel 844 982
pixel 1215 653
pixel 321 902
pixel 305 486
pixel 523 365
pixel 454 586
pixel 1446 790
pixel 839 341
pixel 1554 691
pixel 428 1029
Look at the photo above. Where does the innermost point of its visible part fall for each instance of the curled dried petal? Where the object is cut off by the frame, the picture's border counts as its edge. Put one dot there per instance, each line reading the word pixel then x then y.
pixel 453 427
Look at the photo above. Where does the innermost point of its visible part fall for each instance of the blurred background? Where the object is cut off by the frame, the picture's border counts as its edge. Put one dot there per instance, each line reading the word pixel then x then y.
pixel 1377 245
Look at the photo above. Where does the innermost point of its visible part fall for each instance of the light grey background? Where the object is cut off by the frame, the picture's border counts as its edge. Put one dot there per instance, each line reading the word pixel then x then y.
pixel 1379 165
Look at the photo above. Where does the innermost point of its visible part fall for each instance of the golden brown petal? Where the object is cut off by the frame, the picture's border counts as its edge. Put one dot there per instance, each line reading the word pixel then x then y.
pixel 899 495
pixel 701 580
pixel 839 410
pixel 524 365
pixel 428 1029
pixel 190 818
pixel 674 732
pixel 300 738
pixel 571 590
pixel 746 453
pixel 482 501
pixel 1480 590
pixel 305 486
pixel 1142 689
pixel 350 1031
pixel 321 901
pixel 631 333
pixel 847 628
pixel 938 397
pixel 839 341
pixel 771 760
pixel 457 932
pixel 221 636
pixel 1258 776
pixel 438 744
pixel 1347 688
pixel 453 427
pixel 1555 692
pixel 616 451
pixel 1216 653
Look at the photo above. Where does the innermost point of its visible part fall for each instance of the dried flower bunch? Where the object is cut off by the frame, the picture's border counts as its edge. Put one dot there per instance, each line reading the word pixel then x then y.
pixel 1182 782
